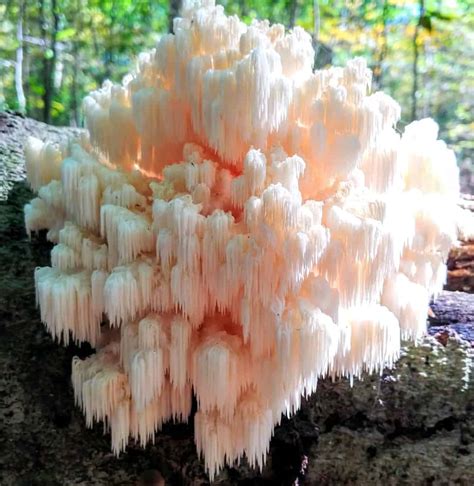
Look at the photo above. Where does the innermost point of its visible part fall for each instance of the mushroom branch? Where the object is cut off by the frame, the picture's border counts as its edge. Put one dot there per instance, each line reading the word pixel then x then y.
pixel 237 225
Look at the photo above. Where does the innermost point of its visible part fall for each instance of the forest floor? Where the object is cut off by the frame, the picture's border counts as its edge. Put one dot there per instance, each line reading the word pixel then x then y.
pixel 412 425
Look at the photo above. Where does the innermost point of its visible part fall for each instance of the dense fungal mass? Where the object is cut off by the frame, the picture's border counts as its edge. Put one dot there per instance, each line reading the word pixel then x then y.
pixel 237 226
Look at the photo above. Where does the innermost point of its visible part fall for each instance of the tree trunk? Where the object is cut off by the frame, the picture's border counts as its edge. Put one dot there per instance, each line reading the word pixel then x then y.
pixel 50 54
pixel 75 118
pixel 175 7
pixel 292 8
pixel 20 94
pixel 322 52
pixel 26 61
pixel 317 24
pixel 378 69
pixel 110 43
pixel 414 90
pixel 243 8
pixel 43 30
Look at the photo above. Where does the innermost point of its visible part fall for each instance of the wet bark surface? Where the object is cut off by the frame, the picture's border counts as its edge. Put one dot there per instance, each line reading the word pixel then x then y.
pixel 412 425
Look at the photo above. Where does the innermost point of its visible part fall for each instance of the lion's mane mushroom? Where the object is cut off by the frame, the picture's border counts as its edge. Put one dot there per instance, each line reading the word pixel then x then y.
pixel 245 225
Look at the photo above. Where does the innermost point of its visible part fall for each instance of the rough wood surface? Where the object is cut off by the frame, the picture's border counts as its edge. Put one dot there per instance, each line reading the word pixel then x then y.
pixel 412 425
pixel 461 258
pixel 461 268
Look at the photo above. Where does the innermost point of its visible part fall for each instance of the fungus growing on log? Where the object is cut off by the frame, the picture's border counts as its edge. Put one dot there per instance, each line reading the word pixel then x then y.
pixel 237 225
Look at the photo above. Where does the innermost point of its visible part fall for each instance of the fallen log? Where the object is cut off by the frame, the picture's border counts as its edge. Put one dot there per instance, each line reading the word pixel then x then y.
pixel 410 425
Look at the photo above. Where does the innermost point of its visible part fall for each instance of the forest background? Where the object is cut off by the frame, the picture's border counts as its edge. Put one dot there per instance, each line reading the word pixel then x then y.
pixel 53 52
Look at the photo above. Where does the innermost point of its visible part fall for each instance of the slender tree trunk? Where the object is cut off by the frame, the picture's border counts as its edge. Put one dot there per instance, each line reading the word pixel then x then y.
pixel 20 94
pixel 76 69
pixel 175 7
pixel 44 35
pixel 378 70
pixel 110 43
pixel 414 91
pixel 243 8
pixel 26 59
pixel 428 78
pixel 54 57
pixel 50 57
pixel 95 41
pixel 99 75
pixel 317 25
pixel 292 8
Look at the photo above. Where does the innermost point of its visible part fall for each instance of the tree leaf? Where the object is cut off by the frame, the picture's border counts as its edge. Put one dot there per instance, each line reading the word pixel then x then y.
pixel 441 16
pixel 425 22
pixel 66 34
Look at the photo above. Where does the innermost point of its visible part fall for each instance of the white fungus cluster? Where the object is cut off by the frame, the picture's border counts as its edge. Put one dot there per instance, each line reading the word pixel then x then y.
pixel 236 226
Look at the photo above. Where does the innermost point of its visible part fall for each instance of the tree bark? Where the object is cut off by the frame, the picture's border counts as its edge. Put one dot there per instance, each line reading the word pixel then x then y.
pixel 322 52
pixel 292 8
pixel 20 94
pixel 378 70
pixel 461 258
pixel 243 8
pixel 414 91
pixel 75 118
pixel 317 25
pixel 49 63
pixel 109 45
pixel 26 60
pixel 175 7
pixel 76 68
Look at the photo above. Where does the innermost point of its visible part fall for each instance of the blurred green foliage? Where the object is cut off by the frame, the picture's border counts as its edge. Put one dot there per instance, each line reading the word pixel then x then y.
pixel 421 51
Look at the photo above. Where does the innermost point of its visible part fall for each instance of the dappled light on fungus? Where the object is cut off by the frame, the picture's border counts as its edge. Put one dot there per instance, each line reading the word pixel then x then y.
pixel 244 226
